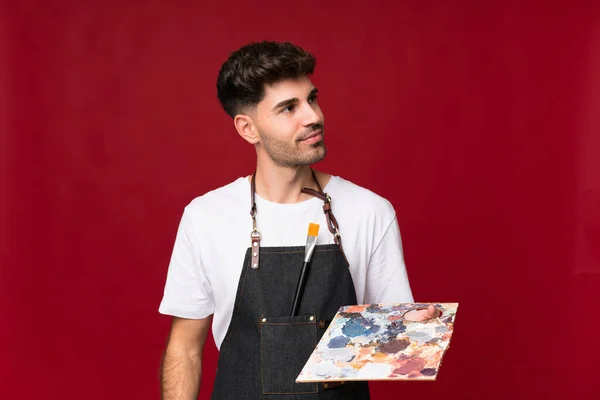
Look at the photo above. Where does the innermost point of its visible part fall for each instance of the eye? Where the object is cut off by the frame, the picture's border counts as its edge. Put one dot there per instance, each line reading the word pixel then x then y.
pixel 312 99
pixel 288 109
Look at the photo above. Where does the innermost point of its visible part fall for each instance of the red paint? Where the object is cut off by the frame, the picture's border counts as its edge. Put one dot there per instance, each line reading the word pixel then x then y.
pixel 410 366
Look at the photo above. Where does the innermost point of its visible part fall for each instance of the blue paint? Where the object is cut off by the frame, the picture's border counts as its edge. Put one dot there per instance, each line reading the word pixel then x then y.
pixel 353 328
pixel 376 309
pixel 441 329
pixel 421 337
pixel 338 342
pixel 358 327
pixel 395 328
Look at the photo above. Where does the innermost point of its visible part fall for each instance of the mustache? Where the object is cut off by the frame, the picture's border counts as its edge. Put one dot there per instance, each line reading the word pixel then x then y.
pixel 314 128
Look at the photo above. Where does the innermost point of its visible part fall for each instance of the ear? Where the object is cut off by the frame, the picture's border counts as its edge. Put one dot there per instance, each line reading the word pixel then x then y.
pixel 246 128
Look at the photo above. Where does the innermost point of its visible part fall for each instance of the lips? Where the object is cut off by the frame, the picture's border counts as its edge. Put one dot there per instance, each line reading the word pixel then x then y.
pixel 312 135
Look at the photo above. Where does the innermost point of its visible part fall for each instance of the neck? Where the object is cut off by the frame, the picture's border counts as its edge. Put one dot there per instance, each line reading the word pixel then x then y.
pixel 284 185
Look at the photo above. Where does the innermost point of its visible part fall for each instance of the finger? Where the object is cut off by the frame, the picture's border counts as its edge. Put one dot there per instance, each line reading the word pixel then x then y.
pixel 416 315
pixel 432 311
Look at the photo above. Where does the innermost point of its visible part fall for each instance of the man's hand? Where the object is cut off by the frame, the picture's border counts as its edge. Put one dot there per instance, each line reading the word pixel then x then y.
pixel 423 315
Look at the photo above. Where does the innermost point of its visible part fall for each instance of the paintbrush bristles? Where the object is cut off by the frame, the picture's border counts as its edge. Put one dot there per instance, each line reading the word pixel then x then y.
pixel 313 229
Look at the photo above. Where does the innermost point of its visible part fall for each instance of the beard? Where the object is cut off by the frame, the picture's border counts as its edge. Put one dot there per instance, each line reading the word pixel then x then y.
pixel 288 155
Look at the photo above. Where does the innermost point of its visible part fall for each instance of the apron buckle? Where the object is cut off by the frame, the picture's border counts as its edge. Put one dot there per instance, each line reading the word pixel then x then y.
pixel 255 236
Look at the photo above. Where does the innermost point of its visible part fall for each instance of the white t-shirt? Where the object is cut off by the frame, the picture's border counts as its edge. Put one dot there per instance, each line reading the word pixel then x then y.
pixel 214 234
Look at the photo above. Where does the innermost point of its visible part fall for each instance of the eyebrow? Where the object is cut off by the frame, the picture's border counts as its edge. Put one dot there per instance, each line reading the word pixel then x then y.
pixel 295 100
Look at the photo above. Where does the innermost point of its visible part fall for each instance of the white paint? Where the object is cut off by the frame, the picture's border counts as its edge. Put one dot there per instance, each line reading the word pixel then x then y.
pixel 374 370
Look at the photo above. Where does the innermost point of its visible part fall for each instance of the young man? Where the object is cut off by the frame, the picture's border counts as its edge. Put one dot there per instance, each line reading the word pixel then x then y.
pixel 239 249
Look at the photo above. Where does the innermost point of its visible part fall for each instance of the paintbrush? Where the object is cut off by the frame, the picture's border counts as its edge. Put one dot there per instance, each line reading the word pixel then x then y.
pixel 311 242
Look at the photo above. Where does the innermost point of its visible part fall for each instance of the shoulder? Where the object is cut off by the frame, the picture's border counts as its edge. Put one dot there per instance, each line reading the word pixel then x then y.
pixel 349 194
pixel 222 198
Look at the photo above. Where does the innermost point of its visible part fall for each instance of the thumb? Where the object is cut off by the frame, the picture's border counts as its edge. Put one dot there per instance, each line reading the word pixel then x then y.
pixel 432 311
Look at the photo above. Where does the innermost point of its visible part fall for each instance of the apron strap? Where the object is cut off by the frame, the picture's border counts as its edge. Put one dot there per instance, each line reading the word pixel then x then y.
pixel 255 234
pixel 332 223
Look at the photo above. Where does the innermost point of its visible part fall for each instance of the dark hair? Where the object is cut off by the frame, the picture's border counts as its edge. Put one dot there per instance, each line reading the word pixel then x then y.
pixel 243 76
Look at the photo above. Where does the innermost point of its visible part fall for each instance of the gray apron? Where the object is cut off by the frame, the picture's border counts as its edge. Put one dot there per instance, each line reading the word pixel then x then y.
pixel 264 348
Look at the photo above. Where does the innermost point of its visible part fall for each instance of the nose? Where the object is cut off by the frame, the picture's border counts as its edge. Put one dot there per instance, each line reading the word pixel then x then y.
pixel 311 115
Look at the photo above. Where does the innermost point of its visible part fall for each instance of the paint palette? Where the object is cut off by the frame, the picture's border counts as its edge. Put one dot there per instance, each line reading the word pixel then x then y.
pixel 374 342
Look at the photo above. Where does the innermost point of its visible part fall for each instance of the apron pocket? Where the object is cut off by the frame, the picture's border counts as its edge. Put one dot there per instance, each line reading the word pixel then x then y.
pixel 286 343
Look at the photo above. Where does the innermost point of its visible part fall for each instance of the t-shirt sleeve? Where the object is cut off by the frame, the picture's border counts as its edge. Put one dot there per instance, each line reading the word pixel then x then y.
pixel 187 291
pixel 387 278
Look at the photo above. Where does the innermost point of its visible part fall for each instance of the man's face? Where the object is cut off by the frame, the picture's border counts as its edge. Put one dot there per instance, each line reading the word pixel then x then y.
pixel 290 123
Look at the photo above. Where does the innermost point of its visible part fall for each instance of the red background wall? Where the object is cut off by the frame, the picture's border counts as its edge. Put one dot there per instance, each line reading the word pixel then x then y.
pixel 477 120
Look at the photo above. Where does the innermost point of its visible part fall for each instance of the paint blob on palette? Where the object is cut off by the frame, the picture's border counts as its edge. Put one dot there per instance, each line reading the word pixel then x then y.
pixel 374 342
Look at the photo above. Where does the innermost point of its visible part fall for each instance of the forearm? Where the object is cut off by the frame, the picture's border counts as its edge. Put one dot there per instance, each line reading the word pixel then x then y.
pixel 180 375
